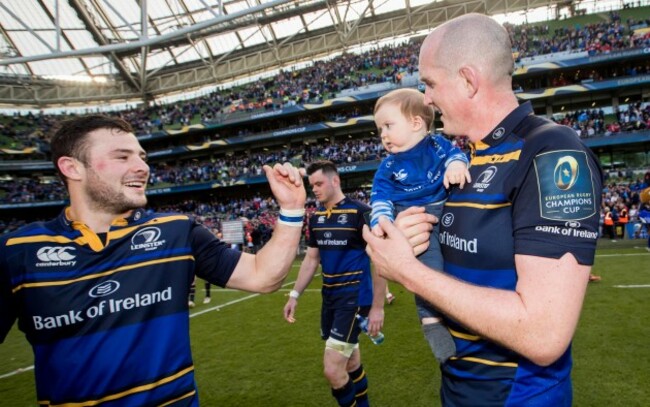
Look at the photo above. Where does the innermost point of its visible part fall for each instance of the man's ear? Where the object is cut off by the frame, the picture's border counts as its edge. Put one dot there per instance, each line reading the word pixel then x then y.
pixel 470 78
pixel 70 167
pixel 336 180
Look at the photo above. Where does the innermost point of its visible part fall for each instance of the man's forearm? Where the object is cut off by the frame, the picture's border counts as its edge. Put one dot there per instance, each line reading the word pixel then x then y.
pixel 273 262
pixel 537 320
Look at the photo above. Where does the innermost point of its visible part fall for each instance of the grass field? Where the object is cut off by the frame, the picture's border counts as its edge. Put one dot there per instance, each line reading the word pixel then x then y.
pixel 247 355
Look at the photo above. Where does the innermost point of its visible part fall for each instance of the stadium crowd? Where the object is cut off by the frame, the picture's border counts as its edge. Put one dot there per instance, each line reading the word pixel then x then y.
pixel 325 79
pixel 601 37
pixel 321 81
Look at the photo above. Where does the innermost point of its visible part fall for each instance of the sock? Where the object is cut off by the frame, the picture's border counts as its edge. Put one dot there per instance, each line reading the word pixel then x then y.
pixel 192 291
pixel 440 341
pixel 345 395
pixel 360 380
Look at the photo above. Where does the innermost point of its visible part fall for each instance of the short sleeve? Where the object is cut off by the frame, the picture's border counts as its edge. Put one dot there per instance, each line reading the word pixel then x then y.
pixel 215 261
pixel 556 196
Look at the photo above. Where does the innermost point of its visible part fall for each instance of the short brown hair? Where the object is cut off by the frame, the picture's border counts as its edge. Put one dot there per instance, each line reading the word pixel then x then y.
pixel 328 168
pixel 411 103
pixel 70 139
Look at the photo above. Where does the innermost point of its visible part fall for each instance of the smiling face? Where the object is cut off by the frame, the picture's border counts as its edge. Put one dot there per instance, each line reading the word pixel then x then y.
pixel 398 133
pixel 114 175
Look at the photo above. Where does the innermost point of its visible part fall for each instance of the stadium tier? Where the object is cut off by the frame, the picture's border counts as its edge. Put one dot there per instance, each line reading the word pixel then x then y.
pixel 587 74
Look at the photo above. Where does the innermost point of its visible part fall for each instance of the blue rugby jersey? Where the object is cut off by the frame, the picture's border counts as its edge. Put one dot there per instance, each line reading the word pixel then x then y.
pixel 109 323
pixel 535 190
pixel 414 177
pixel 336 233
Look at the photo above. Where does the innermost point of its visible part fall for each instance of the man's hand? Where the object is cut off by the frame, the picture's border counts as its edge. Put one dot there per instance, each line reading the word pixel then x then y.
pixel 290 310
pixel 377 231
pixel 286 185
pixel 375 320
pixel 391 254
pixel 416 225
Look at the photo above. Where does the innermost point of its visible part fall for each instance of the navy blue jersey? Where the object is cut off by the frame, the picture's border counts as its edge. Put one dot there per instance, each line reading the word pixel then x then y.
pixel 108 318
pixel 536 191
pixel 414 177
pixel 337 233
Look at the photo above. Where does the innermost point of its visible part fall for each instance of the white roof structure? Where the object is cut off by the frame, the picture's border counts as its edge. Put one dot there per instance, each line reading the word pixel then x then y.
pixel 142 49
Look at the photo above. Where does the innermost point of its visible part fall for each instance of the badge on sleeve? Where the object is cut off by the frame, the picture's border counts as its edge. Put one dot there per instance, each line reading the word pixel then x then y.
pixel 565 188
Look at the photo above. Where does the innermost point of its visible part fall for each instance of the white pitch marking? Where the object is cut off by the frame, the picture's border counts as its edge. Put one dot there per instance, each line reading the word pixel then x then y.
pixel 633 286
pixel 248 297
pixel 619 255
pixel 17 371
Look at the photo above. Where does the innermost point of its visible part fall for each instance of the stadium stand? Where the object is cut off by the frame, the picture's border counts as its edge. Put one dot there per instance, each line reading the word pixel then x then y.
pixel 586 72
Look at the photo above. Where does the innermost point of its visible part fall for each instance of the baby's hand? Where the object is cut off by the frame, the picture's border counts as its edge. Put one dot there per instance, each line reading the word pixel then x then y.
pixel 457 173
pixel 378 231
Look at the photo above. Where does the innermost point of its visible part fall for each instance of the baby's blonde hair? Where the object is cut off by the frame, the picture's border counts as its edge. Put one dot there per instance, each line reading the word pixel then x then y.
pixel 411 103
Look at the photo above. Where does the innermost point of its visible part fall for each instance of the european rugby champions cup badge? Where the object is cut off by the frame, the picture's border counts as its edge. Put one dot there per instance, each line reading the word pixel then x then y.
pixel 565 188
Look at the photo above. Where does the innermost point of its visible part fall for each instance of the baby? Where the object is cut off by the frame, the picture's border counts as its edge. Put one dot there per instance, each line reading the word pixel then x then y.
pixel 417 172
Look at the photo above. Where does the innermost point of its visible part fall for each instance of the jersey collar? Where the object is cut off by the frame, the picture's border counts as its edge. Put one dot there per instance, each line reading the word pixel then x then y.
pixel 508 124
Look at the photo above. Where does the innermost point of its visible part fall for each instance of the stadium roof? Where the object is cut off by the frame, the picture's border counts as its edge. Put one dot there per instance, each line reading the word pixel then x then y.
pixel 142 49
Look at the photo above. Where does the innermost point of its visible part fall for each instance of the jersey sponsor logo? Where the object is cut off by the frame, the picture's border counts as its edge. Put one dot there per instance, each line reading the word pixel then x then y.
pixel 147 239
pixel 483 180
pixel 321 219
pixel 332 242
pixel 458 243
pixel 447 219
pixel 570 231
pixel 498 133
pixel 565 187
pixel 400 175
pixel 104 289
pixel 342 219
pixel 327 235
pixel 104 307
pixel 57 256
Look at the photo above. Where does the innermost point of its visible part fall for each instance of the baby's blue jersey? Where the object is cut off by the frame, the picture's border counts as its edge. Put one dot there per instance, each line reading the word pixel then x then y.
pixel 413 177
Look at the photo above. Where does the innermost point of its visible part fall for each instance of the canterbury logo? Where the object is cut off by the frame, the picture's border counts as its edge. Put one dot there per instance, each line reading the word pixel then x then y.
pixel 48 254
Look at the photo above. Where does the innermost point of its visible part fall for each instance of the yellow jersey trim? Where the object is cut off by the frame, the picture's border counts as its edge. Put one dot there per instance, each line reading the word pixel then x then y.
pixel 138 389
pixel 465 336
pixel 350 273
pixel 496 158
pixel 479 206
pixel 102 274
pixel 82 240
pixel 486 361
pixel 340 284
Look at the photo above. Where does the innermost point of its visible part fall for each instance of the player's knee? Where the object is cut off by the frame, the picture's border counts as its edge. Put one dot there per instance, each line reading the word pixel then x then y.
pixel 343 348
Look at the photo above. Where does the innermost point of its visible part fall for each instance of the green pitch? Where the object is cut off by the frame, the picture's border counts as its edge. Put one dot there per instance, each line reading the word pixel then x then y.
pixel 247 355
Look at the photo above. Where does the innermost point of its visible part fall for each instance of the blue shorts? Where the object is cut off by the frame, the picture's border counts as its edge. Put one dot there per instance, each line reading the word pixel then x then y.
pixel 340 323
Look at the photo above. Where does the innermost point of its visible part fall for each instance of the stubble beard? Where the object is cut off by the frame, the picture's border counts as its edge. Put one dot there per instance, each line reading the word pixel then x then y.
pixel 102 197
